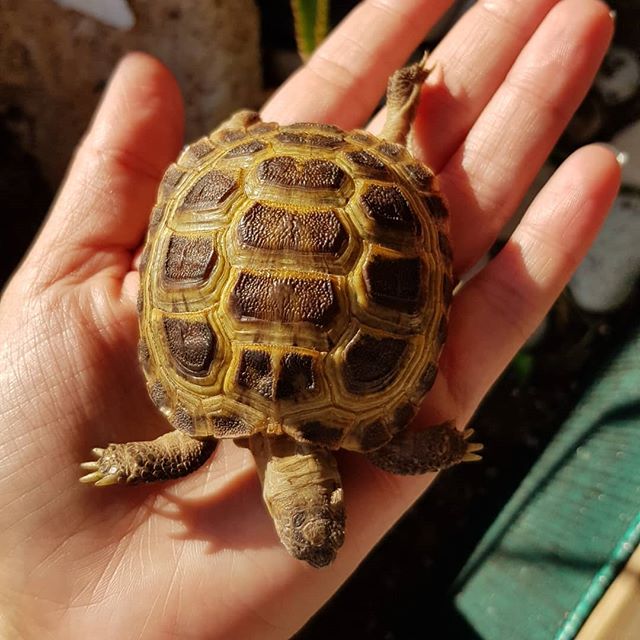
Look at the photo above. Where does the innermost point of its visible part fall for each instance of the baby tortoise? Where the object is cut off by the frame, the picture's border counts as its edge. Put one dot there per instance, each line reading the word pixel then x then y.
pixel 295 292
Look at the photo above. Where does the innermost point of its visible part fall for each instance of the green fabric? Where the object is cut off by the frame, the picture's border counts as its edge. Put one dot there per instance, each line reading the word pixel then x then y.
pixel 572 524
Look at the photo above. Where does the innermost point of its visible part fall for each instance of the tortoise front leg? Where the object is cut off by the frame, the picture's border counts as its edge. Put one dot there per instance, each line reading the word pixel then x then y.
pixel 170 456
pixel 413 452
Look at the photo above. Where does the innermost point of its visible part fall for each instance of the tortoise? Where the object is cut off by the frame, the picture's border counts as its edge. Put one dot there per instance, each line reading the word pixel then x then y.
pixel 295 291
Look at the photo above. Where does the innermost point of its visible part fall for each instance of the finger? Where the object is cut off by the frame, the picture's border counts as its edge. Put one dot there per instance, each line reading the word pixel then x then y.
pixel 496 311
pixel 490 320
pixel 111 186
pixel 507 145
pixel 474 58
pixel 346 77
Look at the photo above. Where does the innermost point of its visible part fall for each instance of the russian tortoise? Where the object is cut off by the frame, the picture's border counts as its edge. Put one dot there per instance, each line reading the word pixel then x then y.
pixel 295 292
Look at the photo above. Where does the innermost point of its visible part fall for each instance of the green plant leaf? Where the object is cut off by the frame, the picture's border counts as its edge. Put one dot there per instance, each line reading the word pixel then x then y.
pixel 311 21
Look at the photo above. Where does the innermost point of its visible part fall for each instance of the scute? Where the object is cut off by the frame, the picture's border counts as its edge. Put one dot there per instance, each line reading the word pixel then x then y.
pixel 284 298
pixel 286 172
pixel 191 343
pixel 317 431
pixel 396 283
pixel 189 260
pixel 230 427
pixel 277 376
pixel 310 140
pixel 278 229
pixel 367 163
pixel 296 377
pixel 297 280
pixel 210 191
pixel 255 372
pixel 246 149
pixel 388 206
pixel 371 362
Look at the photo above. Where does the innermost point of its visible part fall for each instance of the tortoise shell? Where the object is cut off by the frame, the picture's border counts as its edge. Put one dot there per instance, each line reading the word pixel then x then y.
pixel 295 280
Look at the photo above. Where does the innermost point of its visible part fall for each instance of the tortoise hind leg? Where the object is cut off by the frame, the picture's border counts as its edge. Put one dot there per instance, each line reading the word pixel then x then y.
pixel 302 489
pixel 170 456
pixel 413 452
pixel 403 95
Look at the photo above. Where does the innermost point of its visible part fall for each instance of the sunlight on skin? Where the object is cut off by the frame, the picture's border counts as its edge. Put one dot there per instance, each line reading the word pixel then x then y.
pixel 199 558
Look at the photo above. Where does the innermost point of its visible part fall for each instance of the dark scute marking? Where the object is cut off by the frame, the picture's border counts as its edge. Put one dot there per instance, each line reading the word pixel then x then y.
pixel 312 140
pixel 391 150
pixel 140 301
pixel 201 148
pixel 255 372
pixel 230 427
pixel 389 208
pixel 296 376
pixel 156 216
pixel 276 229
pixel 363 138
pixel 158 395
pixel 231 135
pixel 183 421
pixel 210 191
pixel 329 128
pixel 143 351
pixel 191 343
pixel 443 329
pixel 421 177
pixel 196 151
pixel 373 436
pixel 371 363
pixel 246 149
pixel 436 207
pixel 283 171
pixel 365 160
pixel 320 433
pixel 189 259
pixel 447 289
pixel 403 415
pixel 284 299
pixel 396 283
pixel 144 259
pixel 263 127
pixel 171 178
pixel 445 246
pixel 426 380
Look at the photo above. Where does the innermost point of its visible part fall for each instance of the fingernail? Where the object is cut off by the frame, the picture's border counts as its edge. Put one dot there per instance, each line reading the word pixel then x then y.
pixel 613 14
pixel 622 157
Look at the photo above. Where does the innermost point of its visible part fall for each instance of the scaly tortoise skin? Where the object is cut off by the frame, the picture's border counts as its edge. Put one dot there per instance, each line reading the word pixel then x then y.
pixel 295 292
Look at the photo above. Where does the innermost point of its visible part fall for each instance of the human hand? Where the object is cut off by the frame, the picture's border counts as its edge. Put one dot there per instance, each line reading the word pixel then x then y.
pixel 200 558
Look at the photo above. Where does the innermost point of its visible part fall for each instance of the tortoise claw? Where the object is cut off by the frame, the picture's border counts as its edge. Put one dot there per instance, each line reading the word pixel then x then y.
pixel 98 477
pixel 470 454
pixel 91 477
pixel 107 480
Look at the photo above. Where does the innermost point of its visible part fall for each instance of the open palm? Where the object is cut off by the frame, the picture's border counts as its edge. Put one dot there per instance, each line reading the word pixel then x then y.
pixel 199 558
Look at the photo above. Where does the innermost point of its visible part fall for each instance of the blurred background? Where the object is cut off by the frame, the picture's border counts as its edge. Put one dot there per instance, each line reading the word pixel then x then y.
pixel 55 58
